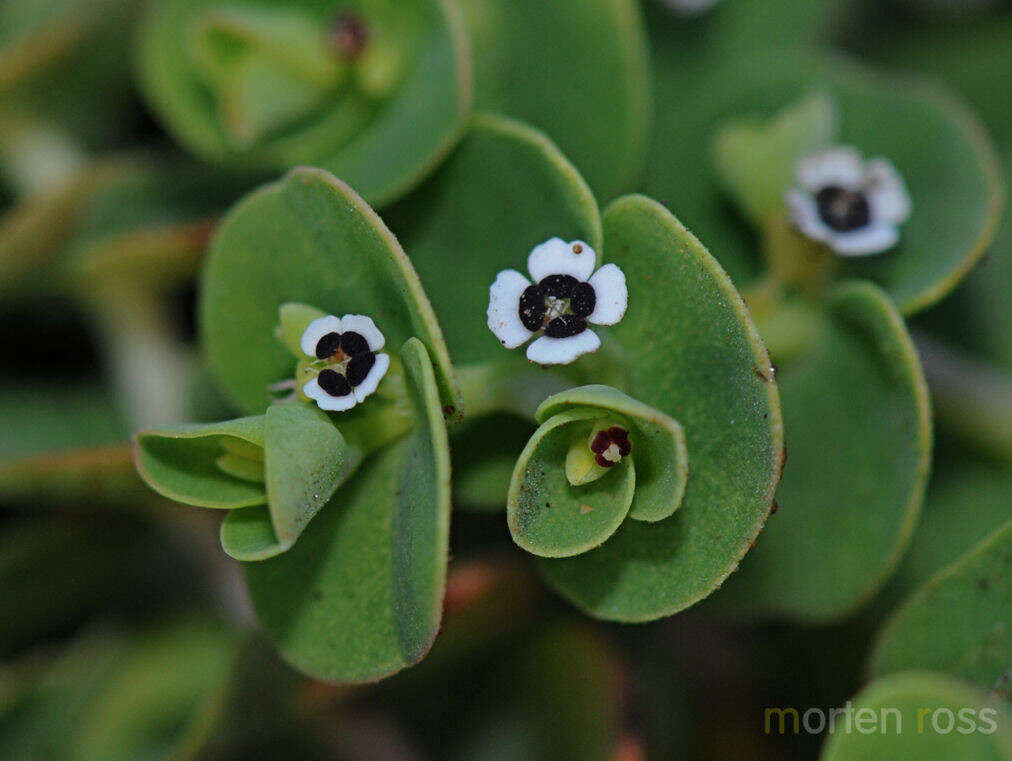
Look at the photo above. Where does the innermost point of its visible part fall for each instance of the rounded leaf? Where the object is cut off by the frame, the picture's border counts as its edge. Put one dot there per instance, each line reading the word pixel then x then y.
pixel 688 348
pixel 858 425
pixel 577 69
pixel 307 238
pixel 267 85
pixel 910 718
pixel 503 191
pixel 957 622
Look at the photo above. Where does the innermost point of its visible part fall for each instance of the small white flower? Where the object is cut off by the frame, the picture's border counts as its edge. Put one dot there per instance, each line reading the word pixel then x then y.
pixel 851 205
pixel 565 296
pixel 347 367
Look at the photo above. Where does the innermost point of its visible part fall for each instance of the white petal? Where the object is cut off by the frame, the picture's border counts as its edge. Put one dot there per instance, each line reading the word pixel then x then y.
pixel 504 308
pixel 316 330
pixel 887 192
pixel 805 216
pixel 556 257
pixel 612 295
pixel 840 166
pixel 366 328
pixel 325 401
pixel 873 239
pixel 562 351
pixel 372 380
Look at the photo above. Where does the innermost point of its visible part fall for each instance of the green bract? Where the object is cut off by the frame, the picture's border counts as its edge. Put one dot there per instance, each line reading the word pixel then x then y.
pixel 562 503
pixel 686 348
pixel 374 91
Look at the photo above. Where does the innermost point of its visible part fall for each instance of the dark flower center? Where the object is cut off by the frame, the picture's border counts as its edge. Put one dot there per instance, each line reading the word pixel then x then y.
pixel 559 305
pixel 843 210
pixel 352 360
pixel 610 446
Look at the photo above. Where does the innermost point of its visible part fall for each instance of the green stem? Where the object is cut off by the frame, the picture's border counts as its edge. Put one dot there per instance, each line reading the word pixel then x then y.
pixel 515 387
pixel 971 398
pixel 787 322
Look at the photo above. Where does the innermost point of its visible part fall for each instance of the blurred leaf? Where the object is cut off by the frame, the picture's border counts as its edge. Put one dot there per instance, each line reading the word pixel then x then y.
pixel 381 148
pixel 40 417
pixel 555 698
pixel 307 238
pixel 925 132
pixel 162 697
pixel 360 594
pixel 662 465
pixel 689 349
pixel 858 425
pixel 459 238
pixel 911 715
pixel 547 515
pixel 180 462
pixel 957 622
pixel 962 508
pixel 756 161
pixel 577 69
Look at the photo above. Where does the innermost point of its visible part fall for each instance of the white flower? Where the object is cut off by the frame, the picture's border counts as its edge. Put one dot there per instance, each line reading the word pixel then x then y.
pixel 347 367
pixel 565 296
pixel 851 205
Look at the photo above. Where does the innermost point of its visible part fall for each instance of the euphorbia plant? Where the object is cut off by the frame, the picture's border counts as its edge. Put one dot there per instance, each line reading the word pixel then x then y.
pixel 337 484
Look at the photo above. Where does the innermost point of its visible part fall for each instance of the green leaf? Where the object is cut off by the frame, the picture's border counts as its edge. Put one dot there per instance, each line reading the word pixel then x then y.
pixel 547 515
pixel 293 319
pixel 181 462
pixel 921 715
pixel 307 238
pixel 756 161
pixel 166 692
pixel 662 463
pixel 858 425
pixel 924 131
pixel 306 460
pixel 282 104
pixel 577 69
pixel 957 622
pixel 962 508
pixel 359 596
pixel 459 238
pixel 689 349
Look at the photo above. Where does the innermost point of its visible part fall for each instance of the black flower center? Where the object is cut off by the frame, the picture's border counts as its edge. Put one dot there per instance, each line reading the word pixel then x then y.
pixel 350 358
pixel 843 210
pixel 610 446
pixel 559 305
